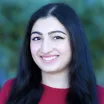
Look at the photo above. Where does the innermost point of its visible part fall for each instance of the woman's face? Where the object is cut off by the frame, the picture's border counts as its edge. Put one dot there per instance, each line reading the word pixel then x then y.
pixel 50 45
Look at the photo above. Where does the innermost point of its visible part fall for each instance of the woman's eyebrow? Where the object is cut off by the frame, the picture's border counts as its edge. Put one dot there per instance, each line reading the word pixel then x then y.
pixel 57 31
pixel 49 33
pixel 36 32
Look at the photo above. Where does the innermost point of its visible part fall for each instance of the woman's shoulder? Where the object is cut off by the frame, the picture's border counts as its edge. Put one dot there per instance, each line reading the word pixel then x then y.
pixel 100 93
pixel 100 90
pixel 7 84
pixel 5 90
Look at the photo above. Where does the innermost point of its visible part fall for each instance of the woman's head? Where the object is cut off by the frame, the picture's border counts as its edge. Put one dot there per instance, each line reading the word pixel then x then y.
pixel 54 17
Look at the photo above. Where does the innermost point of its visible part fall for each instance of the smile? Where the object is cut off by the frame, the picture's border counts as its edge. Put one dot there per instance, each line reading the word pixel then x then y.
pixel 50 58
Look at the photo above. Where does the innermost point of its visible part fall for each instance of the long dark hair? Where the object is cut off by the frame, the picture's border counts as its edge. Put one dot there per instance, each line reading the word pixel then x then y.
pixel 27 88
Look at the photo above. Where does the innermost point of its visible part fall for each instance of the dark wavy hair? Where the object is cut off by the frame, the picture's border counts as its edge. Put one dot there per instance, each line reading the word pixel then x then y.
pixel 27 88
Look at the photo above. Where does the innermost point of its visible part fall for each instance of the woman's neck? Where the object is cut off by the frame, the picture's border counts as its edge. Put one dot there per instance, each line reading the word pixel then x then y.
pixel 56 80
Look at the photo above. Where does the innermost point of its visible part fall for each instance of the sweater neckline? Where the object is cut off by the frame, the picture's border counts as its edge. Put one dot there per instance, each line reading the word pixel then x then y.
pixel 46 87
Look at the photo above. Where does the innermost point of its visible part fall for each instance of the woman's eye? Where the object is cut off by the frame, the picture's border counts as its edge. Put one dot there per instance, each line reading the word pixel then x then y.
pixel 58 37
pixel 36 38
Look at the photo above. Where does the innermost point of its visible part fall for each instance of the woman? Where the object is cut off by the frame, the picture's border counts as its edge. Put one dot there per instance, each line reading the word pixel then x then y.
pixel 55 64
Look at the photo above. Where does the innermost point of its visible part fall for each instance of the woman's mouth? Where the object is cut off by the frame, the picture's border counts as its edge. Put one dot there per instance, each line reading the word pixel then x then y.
pixel 49 58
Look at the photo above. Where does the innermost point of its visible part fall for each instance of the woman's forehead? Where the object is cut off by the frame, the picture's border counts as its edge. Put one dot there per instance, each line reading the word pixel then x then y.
pixel 48 24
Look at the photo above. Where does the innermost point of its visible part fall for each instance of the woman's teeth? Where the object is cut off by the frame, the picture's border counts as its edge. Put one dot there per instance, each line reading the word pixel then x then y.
pixel 49 58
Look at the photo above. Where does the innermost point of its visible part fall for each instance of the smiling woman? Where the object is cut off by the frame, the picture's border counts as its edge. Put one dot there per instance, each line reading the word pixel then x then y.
pixel 55 64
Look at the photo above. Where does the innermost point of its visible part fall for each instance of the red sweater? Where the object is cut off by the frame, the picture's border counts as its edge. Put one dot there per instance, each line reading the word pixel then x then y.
pixel 50 95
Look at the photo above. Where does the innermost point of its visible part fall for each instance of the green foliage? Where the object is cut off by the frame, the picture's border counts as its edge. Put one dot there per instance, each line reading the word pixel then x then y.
pixel 13 20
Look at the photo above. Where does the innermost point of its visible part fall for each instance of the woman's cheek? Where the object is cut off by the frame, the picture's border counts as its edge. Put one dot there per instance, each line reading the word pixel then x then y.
pixel 34 48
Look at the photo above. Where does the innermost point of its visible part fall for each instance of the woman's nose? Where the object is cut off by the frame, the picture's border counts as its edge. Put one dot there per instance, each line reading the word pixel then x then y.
pixel 46 46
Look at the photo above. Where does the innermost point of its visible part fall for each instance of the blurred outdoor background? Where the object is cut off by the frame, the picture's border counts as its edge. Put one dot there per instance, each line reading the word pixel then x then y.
pixel 14 15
